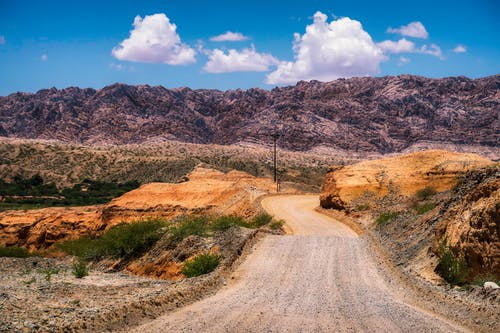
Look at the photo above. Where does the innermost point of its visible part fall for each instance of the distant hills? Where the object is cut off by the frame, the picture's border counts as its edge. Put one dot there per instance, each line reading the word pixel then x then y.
pixel 383 115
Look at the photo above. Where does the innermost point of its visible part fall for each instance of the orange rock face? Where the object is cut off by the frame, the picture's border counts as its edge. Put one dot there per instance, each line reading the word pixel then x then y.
pixel 471 222
pixel 403 174
pixel 206 191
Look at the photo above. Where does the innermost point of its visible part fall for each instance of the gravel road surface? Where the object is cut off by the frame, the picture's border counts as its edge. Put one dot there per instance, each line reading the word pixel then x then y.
pixel 321 278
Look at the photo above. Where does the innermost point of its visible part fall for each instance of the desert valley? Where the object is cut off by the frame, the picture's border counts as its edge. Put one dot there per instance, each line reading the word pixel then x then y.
pixel 192 166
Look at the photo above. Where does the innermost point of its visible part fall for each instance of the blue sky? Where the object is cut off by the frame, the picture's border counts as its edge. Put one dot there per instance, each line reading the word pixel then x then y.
pixel 96 43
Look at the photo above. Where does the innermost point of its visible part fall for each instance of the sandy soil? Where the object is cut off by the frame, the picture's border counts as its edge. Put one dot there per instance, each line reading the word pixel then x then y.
pixel 321 278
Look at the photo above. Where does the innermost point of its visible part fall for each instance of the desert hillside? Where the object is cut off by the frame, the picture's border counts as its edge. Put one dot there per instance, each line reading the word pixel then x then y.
pixel 384 115
pixel 205 191
pixel 403 175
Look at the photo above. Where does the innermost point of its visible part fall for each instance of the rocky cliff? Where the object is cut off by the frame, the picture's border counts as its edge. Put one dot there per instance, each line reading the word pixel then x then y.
pixel 205 192
pixel 387 114
pixel 403 175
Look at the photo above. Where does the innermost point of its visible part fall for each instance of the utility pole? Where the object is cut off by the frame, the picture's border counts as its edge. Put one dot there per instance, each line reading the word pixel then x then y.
pixel 275 136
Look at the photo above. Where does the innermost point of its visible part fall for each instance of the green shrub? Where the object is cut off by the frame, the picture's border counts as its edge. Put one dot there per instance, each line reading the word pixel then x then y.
pixel 450 267
pixel 425 193
pixel 188 226
pixel 276 225
pixel 14 252
pixel 201 264
pixel 48 272
pixel 424 208
pixel 362 207
pixel 385 217
pixel 84 248
pixel 226 222
pixel 481 279
pixel 124 240
pixel 261 219
pixel 80 269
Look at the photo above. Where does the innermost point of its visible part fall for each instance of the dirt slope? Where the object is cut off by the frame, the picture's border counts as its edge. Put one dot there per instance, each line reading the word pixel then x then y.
pixel 402 174
pixel 320 279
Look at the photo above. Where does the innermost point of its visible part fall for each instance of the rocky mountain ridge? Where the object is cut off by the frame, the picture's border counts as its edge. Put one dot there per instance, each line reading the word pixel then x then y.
pixel 384 115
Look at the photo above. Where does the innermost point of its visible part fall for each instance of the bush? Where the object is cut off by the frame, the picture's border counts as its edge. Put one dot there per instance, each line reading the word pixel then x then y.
pixel 188 226
pixel 226 222
pixel 124 240
pixel 276 225
pixel 362 207
pixel 425 193
pixel 201 264
pixel 261 219
pixel 48 272
pixel 80 269
pixel 14 252
pixel 450 267
pixel 424 208
pixel 385 217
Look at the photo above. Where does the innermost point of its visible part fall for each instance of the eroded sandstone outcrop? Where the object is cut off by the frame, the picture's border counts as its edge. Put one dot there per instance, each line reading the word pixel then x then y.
pixel 403 175
pixel 470 221
pixel 204 191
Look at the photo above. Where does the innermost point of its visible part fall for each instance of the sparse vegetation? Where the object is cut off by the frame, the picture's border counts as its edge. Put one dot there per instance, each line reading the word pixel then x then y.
pixel 451 268
pixel 424 208
pixel 80 269
pixel 48 272
pixel 226 222
pixel 260 220
pixel 201 264
pixel 361 207
pixel 124 240
pixel 385 217
pixel 188 226
pixel 33 193
pixel 276 225
pixel 14 252
pixel 425 193
pixel 480 280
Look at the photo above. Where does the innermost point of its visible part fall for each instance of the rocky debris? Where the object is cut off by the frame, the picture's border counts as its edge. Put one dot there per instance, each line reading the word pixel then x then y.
pixel 205 191
pixel 106 301
pixel 490 285
pixel 470 221
pixel 403 175
pixel 385 114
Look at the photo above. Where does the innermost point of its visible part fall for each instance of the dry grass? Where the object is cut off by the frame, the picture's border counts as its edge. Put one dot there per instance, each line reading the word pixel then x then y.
pixel 67 164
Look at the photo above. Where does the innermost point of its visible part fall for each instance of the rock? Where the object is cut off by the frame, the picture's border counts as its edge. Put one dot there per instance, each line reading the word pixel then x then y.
pixel 402 175
pixel 470 221
pixel 385 114
pixel 489 285
pixel 207 191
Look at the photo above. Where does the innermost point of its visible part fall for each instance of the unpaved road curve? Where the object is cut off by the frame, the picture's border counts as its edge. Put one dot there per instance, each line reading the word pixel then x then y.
pixel 320 279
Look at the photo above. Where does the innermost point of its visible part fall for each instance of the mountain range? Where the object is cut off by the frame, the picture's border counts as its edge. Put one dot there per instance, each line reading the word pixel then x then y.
pixel 370 114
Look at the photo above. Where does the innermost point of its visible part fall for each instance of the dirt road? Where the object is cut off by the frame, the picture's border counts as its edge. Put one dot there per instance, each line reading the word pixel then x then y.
pixel 320 279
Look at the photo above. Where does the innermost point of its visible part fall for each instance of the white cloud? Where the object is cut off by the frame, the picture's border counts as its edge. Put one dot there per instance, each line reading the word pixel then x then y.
pixel 229 37
pixel 44 57
pixel 433 50
pixel 403 61
pixel 401 46
pixel 413 29
pixel 460 49
pixel 154 40
pixel 247 60
pixel 116 67
pixel 328 51
pixel 2 40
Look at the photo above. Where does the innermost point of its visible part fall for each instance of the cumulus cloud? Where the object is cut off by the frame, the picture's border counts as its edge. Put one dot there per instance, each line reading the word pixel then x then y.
pixel 328 51
pixel 460 49
pixel 433 50
pixel 44 57
pixel 229 37
pixel 403 61
pixel 2 40
pixel 401 46
pixel 154 39
pixel 413 29
pixel 247 60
